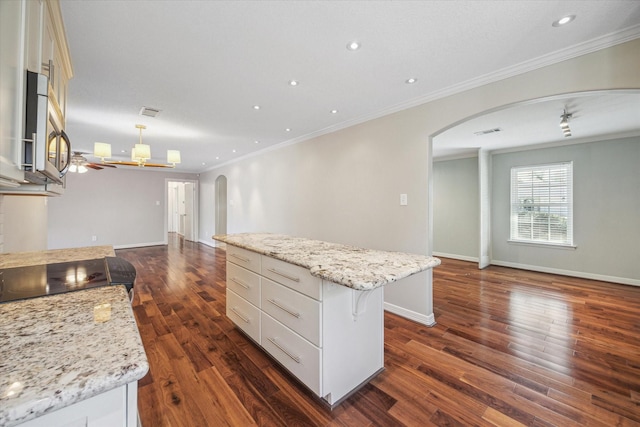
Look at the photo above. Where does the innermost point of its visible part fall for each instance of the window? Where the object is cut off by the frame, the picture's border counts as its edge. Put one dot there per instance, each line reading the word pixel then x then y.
pixel 542 204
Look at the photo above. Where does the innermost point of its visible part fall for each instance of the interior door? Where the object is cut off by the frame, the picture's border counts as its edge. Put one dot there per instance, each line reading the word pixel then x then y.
pixel 189 193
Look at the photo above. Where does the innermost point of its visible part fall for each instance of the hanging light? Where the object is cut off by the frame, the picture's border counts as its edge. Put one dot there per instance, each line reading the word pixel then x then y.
pixel 141 152
pixel 173 157
pixel 564 123
pixel 102 150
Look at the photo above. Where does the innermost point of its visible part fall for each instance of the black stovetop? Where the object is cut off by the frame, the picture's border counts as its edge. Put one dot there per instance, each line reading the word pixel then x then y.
pixel 50 279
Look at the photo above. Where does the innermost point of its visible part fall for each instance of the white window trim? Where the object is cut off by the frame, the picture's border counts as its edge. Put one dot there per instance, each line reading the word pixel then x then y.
pixel 550 244
pixel 568 245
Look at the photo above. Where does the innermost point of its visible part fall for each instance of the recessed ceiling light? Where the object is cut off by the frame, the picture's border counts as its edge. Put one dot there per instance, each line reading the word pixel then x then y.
pixel 293 83
pixel 411 80
pixel 287 130
pixel 334 111
pixel 203 163
pixel 256 141
pixel 564 20
pixel 256 107
pixel 233 151
pixel 354 45
pixel 217 157
pixel 123 151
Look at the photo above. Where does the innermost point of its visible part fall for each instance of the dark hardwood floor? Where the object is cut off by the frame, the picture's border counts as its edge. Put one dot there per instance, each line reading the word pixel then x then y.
pixel 510 348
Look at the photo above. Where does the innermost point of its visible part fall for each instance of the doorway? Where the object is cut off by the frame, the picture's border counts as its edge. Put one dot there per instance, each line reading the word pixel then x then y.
pixel 221 205
pixel 182 205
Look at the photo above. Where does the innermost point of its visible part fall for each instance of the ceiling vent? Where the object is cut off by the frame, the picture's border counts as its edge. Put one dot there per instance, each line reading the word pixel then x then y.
pixel 149 112
pixel 488 131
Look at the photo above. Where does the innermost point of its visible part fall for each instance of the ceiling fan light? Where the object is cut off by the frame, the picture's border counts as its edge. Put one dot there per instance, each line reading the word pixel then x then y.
pixel 73 168
pixel 173 156
pixel 82 169
pixel 102 150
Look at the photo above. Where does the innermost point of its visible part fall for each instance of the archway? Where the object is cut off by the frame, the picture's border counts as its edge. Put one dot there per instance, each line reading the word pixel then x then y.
pixel 221 205
pixel 530 125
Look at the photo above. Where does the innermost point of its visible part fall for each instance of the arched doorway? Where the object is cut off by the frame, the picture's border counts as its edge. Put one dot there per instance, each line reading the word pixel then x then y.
pixel 518 127
pixel 221 205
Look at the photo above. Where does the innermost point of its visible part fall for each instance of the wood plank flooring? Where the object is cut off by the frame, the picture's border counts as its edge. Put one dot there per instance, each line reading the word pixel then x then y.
pixel 510 348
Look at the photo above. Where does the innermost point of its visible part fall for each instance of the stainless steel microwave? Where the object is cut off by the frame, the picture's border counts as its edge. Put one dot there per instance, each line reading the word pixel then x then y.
pixel 47 150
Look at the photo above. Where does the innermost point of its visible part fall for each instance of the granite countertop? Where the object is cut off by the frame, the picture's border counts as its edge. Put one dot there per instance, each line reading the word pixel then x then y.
pixel 23 259
pixel 357 268
pixel 61 349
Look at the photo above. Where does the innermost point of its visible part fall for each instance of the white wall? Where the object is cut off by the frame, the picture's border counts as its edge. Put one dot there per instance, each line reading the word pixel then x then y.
pixel 606 185
pixel 456 209
pixel 118 206
pixel 24 225
pixel 345 186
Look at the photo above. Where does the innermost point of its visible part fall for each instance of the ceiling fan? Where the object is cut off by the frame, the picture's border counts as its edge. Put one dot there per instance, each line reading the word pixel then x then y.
pixel 80 164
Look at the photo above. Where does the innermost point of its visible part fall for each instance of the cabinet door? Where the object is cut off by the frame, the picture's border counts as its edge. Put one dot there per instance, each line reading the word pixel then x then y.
pixel 108 409
pixel 12 75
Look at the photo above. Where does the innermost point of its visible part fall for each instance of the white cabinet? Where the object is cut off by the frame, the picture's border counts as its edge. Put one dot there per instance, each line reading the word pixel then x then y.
pixel 114 408
pixel 329 336
pixel 32 37
pixel 12 43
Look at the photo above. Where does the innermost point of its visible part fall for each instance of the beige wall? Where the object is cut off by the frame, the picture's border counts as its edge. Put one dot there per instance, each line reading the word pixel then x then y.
pixel 122 207
pixel 23 222
pixel 345 186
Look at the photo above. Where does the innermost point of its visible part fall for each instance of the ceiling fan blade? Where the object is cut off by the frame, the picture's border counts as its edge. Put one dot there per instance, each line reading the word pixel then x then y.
pixel 93 166
pixel 105 165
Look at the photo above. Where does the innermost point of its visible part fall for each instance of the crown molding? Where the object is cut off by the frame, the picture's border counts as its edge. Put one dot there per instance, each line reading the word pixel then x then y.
pixel 584 48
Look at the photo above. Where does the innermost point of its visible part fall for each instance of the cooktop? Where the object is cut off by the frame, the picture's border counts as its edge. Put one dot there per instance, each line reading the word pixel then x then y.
pixel 50 279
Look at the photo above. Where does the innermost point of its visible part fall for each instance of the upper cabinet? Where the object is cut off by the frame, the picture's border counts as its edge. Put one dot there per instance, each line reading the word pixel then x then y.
pixel 12 23
pixel 56 63
pixel 32 37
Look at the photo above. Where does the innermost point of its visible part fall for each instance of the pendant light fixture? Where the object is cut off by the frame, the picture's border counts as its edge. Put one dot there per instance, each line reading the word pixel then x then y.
pixel 140 154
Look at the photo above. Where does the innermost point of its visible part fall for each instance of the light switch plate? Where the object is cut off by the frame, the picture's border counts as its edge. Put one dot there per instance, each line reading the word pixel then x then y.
pixel 403 200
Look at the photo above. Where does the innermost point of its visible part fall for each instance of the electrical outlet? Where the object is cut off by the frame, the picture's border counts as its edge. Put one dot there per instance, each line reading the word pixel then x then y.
pixel 94 238
pixel 403 200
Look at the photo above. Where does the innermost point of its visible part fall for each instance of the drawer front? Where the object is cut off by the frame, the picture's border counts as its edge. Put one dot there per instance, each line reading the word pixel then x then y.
pixel 293 309
pixel 244 283
pixel 244 314
pixel 244 258
pixel 292 276
pixel 295 353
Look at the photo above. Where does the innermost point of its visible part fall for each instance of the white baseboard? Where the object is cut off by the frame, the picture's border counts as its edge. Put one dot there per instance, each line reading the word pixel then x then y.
pixel 204 242
pixel 454 256
pixel 139 245
pixel 580 274
pixel 428 320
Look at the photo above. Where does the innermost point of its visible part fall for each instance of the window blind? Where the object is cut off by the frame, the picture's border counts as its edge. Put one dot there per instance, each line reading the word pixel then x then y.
pixel 542 203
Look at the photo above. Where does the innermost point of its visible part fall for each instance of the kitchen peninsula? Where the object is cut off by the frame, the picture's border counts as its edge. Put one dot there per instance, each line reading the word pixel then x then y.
pixel 72 358
pixel 315 307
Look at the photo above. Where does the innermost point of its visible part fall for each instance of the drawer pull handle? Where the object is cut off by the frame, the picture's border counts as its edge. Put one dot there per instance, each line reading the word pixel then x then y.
pixel 277 304
pixel 286 276
pixel 240 315
pixel 234 280
pixel 241 258
pixel 295 358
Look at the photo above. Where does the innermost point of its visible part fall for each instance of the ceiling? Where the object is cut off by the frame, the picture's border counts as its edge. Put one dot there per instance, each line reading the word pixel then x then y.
pixel 206 64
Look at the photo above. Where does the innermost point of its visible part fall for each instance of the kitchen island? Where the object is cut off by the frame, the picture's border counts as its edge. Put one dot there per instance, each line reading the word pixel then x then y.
pixel 315 307
pixel 69 359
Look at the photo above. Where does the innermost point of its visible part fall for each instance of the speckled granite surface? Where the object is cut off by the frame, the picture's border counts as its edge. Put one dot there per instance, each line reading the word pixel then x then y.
pixel 22 259
pixel 357 268
pixel 61 349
